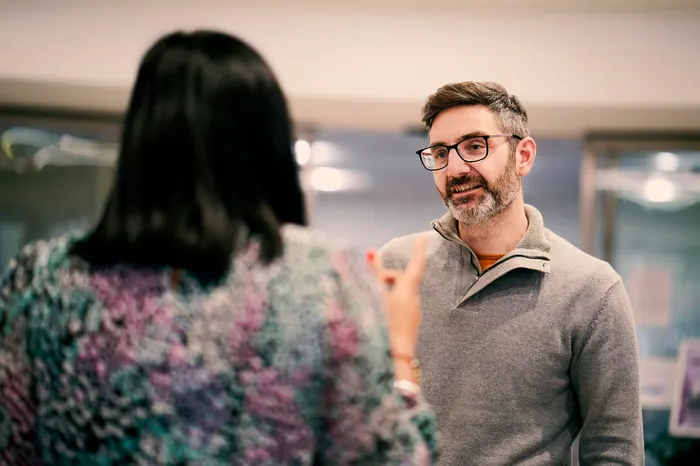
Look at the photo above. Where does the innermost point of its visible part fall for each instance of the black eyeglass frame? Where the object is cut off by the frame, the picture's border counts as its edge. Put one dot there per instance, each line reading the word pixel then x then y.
pixel 454 146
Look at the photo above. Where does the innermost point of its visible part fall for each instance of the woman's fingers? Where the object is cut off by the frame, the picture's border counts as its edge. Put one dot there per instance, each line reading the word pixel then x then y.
pixel 414 271
pixel 375 263
pixel 389 278
pixel 380 273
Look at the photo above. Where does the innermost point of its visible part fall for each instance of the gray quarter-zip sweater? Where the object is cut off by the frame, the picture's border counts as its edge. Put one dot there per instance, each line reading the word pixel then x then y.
pixel 520 359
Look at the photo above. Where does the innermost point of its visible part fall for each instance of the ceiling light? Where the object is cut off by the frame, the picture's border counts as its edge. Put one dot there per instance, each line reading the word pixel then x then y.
pixel 302 151
pixel 659 189
pixel 666 161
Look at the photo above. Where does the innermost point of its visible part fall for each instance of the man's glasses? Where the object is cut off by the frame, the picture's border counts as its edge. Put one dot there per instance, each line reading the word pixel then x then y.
pixel 471 149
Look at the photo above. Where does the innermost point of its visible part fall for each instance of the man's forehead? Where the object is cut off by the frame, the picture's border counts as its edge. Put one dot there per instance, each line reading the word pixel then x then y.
pixel 453 124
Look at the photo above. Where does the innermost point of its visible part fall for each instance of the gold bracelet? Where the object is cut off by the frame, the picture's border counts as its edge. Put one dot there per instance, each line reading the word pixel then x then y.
pixel 412 362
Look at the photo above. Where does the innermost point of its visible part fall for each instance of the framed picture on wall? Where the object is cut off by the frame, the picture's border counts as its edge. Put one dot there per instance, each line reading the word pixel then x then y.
pixel 685 411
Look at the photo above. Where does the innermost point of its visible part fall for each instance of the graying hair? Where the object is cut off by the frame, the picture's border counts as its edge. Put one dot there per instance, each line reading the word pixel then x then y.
pixel 509 112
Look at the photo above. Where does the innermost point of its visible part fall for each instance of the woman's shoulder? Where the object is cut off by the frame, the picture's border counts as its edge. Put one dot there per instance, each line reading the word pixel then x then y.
pixel 38 266
pixel 44 254
pixel 312 242
pixel 316 252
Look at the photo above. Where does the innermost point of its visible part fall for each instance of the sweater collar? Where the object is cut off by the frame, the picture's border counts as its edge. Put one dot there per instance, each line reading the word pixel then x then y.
pixel 534 244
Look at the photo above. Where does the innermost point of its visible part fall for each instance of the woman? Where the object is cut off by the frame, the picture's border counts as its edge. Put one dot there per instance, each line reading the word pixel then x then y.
pixel 196 324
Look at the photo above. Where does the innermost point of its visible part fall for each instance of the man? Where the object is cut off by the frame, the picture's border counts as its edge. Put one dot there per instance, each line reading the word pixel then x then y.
pixel 526 341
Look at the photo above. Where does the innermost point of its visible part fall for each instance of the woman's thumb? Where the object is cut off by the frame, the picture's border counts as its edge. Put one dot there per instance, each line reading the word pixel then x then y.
pixel 374 263
pixel 383 275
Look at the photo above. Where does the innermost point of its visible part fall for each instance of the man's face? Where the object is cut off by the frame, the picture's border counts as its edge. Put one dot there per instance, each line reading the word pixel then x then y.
pixel 475 192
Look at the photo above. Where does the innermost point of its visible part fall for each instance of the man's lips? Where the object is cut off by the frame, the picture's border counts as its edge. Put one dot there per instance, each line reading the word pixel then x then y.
pixel 462 191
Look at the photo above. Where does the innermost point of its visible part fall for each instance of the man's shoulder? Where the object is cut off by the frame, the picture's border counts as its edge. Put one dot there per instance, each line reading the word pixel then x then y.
pixel 572 264
pixel 397 252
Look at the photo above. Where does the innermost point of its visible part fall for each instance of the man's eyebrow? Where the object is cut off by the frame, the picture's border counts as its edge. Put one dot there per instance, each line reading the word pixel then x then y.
pixel 473 134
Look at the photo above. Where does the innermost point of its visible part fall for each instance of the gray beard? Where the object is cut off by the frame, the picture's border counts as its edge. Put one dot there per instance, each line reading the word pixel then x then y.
pixel 486 209
pixel 489 206
pixel 496 198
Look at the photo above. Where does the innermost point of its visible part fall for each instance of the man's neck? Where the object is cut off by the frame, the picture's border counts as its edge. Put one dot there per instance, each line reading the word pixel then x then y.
pixel 501 234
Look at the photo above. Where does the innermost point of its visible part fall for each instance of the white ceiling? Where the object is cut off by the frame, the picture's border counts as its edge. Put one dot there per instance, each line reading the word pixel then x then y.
pixel 481 6
pixel 505 7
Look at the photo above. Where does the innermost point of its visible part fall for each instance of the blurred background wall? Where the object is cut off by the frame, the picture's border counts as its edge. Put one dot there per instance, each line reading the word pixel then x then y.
pixel 369 64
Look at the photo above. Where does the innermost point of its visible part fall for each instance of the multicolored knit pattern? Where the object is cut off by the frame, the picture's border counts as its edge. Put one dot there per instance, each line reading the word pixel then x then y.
pixel 281 364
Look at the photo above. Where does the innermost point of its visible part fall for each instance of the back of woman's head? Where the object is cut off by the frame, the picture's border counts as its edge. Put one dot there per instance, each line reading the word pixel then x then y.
pixel 206 155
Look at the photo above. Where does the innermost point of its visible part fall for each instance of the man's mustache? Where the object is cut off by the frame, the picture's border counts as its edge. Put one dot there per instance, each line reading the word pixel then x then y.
pixel 468 180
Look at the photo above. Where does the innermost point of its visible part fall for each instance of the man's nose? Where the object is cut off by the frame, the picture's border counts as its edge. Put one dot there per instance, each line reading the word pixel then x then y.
pixel 456 166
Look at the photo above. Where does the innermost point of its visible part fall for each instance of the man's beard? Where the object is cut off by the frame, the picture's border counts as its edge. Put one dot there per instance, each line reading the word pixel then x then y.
pixel 493 200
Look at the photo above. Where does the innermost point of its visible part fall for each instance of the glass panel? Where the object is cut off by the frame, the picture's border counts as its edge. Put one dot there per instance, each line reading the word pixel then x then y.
pixel 649 206
pixel 54 176
pixel 656 245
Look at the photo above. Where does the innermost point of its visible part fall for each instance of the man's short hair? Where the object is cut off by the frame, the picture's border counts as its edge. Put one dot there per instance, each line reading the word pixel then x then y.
pixel 510 113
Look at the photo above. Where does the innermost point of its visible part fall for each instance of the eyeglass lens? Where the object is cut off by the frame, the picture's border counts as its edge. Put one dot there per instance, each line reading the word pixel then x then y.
pixel 436 157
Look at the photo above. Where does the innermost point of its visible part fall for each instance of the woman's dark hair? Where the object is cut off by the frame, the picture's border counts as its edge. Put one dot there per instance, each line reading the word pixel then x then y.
pixel 205 157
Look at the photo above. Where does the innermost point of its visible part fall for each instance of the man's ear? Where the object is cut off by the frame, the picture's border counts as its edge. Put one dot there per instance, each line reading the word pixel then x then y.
pixel 525 154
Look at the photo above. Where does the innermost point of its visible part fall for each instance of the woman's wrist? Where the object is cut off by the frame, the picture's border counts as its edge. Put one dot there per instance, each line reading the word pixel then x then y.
pixel 402 346
pixel 406 367
pixel 403 371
